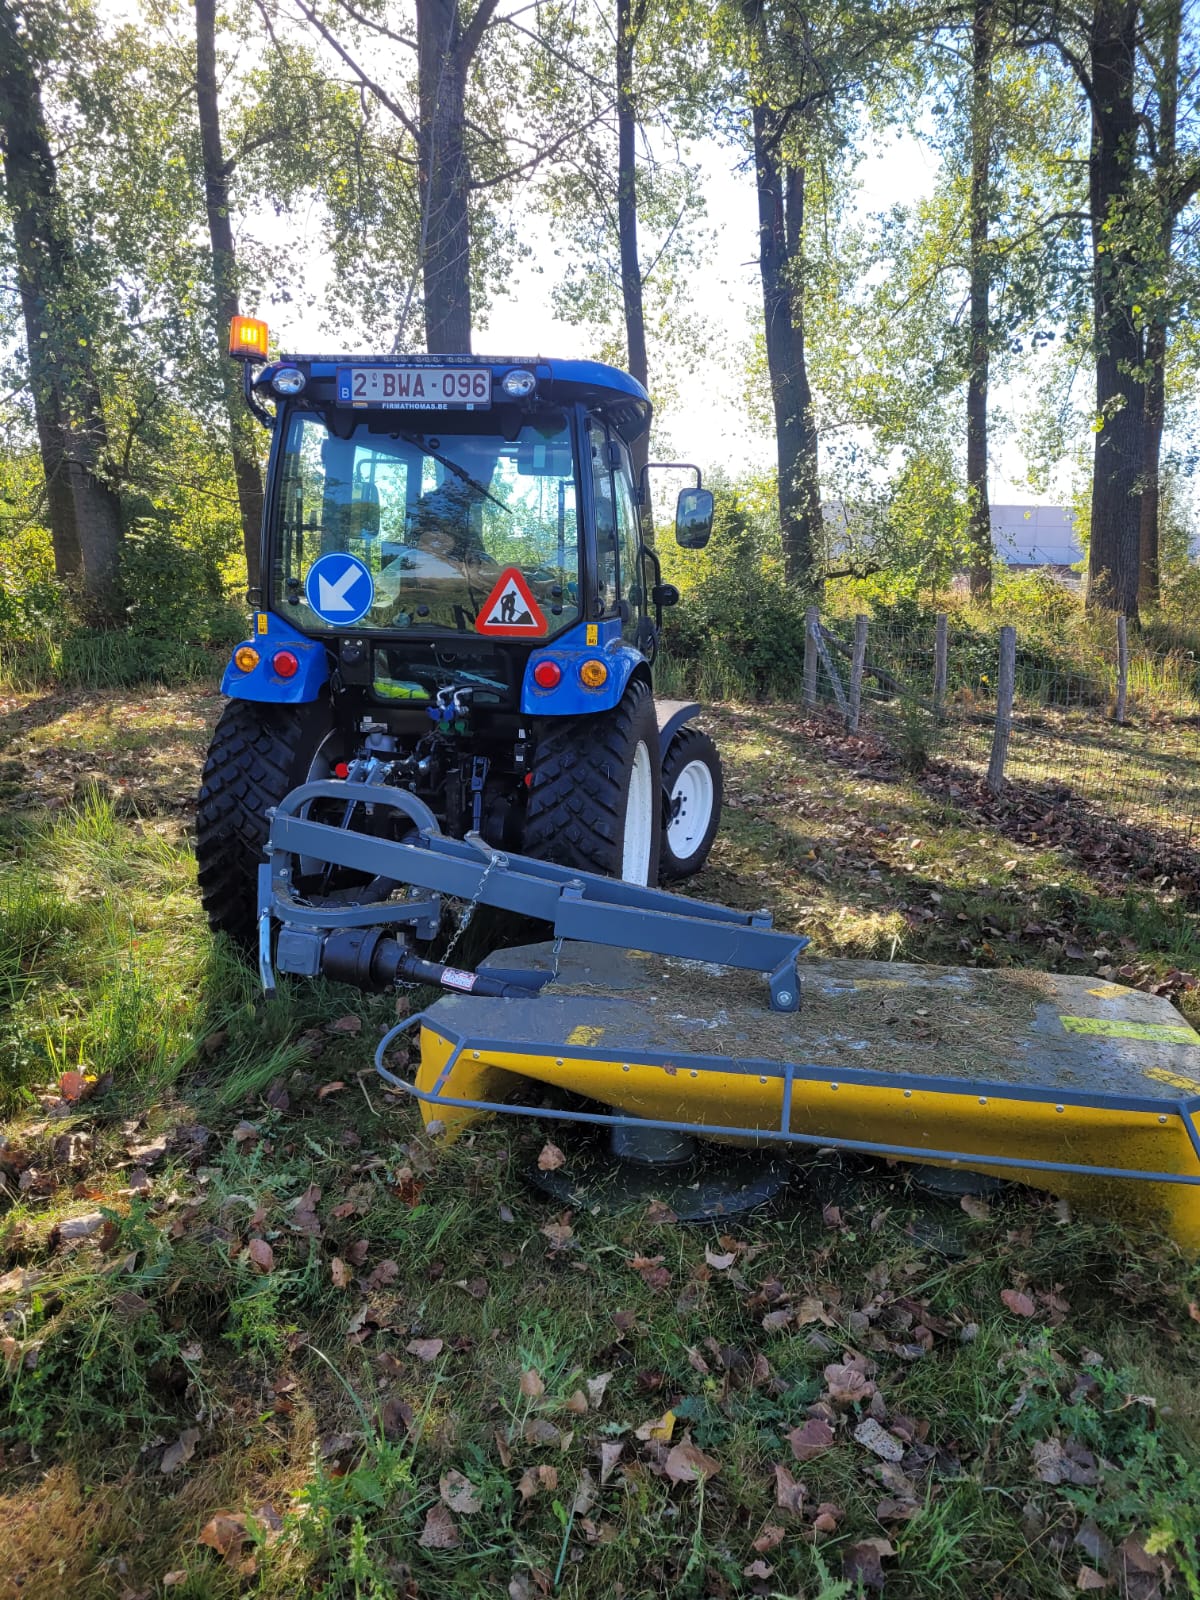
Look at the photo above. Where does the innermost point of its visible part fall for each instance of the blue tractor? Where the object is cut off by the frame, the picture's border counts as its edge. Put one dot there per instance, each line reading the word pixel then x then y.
pixel 457 601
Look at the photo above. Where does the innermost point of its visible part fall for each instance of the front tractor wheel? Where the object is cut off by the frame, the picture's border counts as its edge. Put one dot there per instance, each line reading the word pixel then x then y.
pixel 595 789
pixel 259 753
pixel 692 793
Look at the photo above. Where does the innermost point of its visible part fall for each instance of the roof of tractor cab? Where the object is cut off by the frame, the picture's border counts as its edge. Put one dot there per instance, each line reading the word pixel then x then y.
pixel 622 398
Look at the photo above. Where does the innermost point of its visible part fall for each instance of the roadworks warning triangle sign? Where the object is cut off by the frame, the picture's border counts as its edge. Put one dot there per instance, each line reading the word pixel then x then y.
pixel 510 610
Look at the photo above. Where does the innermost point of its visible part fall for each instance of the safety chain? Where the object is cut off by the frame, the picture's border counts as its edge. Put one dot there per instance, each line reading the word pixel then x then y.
pixel 469 908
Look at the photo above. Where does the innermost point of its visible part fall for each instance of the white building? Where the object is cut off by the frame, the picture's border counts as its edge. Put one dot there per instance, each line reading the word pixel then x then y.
pixel 1035 536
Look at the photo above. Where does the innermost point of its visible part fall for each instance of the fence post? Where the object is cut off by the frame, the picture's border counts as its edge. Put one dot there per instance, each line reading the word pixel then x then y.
pixel 1122 667
pixel 812 621
pixel 940 663
pixel 857 662
pixel 1005 686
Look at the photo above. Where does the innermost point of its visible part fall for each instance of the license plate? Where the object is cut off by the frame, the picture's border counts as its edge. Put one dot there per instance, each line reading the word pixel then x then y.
pixel 416 388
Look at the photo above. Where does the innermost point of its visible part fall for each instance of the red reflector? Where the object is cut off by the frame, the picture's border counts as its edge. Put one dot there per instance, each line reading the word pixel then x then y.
pixel 547 674
pixel 285 663
pixel 341 770
pixel 529 780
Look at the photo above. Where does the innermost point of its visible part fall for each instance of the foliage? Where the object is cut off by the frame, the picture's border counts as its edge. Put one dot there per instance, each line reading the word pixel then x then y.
pixel 739 630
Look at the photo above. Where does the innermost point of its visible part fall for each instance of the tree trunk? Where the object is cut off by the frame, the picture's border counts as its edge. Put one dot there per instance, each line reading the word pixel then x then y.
pixel 627 217
pixel 1171 13
pixel 1113 560
pixel 225 286
pixel 85 519
pixel 443 60
pixel 1152 432
pixel 979 502
pixel 780 239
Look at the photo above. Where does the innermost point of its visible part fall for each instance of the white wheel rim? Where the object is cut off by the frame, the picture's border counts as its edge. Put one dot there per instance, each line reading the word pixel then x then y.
pixel 691 809
pixel 639 819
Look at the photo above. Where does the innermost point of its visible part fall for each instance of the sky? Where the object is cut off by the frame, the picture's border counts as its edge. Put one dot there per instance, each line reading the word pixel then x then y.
pixel 709 423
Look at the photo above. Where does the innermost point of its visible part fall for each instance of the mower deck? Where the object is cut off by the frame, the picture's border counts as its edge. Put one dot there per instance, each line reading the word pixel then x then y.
pixel 1084 1088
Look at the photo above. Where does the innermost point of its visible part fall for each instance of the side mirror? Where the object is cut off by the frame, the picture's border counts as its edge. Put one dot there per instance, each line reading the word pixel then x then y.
pixel 693 518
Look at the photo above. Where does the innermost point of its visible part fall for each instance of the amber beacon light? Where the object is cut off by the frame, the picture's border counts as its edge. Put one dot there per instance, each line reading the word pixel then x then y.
pixel 248 338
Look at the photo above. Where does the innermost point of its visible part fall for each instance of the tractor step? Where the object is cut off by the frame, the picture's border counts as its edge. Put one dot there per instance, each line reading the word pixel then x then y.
pixel 1086 1089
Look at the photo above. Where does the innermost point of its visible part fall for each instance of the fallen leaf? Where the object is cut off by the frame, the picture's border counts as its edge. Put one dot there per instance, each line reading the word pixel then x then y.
pixel 341 1274
pixel 386 1272
pixel 578 1403
pixel 80 1227
pixel 551 1158
pixel 789 1494
pixel 610 1454
pixel 244 1130
pixel 425 1349
pixel 596 1387
pixel 459 1493
pixel 532 1386
pixel 347 1024
pixel 1088 1578
pixel 225 1533
pixel 771 1536
pixel 777 1321
pixel 172 1580
pixel 848 1384
pixel 978 1210
pixel 539 1431
pixel 1019 1304
pixel 261 1254
pixel 873 1436
pixel 863 1562
pixel 660 1428
pixel 184 1448
pixel 719 1262
pixel 686 1463
pixel 811 1439
pixel 757 1569
pixel 440 1531
pixel 560 1234
pixel 327 1089
pixel 586 1494
pixel 72 1086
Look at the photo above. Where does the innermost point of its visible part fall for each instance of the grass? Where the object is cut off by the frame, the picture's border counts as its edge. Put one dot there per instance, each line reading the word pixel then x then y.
pixel 332 1404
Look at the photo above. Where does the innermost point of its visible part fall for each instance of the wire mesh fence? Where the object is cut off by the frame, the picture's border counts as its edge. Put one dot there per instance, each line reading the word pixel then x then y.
pixel 1118 730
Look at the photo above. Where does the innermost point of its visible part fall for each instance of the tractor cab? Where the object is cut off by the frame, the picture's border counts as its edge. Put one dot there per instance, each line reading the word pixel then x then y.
pixel 443 521
pixel 456 602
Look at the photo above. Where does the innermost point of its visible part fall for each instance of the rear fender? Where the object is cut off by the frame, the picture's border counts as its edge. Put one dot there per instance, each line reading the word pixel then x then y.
pixel 262 682
pixel 571 697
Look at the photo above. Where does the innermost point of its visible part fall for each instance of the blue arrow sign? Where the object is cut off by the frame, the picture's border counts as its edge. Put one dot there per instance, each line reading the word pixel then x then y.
pixel 339 589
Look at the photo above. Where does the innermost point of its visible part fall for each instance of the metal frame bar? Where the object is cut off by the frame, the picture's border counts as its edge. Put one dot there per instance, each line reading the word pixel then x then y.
pixel 785 1134
pixel 579 905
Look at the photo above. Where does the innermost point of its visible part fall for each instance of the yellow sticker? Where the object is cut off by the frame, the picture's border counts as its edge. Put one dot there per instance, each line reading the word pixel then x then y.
pixel 584 1034
pixel 1108 991
pixel 260 622
pixel 1177 1080
pixel 1114 1028
pixel 593 633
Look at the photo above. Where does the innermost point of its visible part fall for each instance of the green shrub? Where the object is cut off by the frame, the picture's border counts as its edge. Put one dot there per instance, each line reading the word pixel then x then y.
pixel 739 630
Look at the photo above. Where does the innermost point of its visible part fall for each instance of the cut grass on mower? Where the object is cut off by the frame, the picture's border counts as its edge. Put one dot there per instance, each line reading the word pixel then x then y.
pixel 262 1336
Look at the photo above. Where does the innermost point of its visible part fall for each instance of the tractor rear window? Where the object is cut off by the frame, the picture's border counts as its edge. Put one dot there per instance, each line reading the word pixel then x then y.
pixel 395 528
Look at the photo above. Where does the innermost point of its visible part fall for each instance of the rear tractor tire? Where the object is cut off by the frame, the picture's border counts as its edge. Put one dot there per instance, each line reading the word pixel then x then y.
pixel 693 790
pixel 594 794
pixel 259 753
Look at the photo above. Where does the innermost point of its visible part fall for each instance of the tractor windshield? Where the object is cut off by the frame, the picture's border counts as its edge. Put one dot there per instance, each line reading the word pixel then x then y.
pixel 437 518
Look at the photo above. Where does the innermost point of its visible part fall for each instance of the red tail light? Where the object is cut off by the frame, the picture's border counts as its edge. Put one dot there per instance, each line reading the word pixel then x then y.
pixel 547 674
pixel 285 663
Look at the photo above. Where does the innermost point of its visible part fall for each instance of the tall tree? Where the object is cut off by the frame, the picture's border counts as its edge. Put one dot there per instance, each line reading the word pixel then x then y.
pixel 631 14
pixel 979 510
pixel 1174 184
pixel 84 511
pixel 1110 80
pixel 781 149
pixel 216 173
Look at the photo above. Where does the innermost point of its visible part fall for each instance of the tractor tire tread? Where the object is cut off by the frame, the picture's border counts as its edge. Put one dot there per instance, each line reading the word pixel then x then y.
pixel 251 766
pixel 575 811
